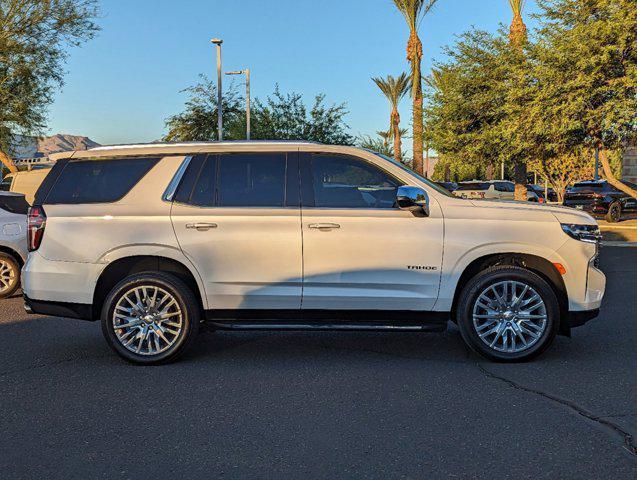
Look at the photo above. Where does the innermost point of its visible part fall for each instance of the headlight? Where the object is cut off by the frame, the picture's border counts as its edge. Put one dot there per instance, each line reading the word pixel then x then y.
pixel 583 233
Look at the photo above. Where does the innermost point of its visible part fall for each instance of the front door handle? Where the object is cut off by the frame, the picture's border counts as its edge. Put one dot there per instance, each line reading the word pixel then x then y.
pixel 324 226
pixel 201 227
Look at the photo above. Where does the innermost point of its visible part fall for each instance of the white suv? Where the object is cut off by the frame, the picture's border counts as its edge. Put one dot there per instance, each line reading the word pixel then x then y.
pixel 154 239
pixel 492 190
pixel 13 241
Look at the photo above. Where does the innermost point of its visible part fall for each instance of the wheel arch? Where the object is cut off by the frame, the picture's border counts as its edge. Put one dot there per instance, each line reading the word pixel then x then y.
pixel 538 265
pixel 129 265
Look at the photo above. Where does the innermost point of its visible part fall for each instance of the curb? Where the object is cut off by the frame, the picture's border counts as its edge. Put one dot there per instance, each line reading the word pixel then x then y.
pixel 619 244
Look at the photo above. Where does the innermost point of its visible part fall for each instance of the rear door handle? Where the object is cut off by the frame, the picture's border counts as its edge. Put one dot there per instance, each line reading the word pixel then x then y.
pixel 324 226
pixel 201 227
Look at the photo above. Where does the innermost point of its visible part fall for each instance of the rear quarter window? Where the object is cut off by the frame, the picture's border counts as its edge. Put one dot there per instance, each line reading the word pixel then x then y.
pixel 98 181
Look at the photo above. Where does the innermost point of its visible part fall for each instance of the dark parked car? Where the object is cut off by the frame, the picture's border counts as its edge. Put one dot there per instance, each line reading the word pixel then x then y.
pixel 539 191
pixel 451 186
pixel 601 198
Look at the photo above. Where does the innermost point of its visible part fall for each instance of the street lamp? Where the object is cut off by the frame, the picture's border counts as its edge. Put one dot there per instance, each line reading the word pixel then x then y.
pixel 247 73
pixel 218 42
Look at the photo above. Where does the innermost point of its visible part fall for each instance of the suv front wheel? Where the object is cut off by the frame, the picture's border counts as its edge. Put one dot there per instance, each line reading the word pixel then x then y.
pixel 150 318
pixel 508 314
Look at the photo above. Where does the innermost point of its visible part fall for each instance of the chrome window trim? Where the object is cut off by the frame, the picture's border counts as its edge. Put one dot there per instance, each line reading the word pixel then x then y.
pixel 169 194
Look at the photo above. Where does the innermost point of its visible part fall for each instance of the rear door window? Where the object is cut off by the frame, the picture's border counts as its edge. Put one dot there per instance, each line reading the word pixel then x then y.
pixel 251 180
pixel 98 181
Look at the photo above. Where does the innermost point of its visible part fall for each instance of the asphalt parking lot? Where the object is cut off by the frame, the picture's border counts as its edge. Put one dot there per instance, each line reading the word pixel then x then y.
pixel 322 405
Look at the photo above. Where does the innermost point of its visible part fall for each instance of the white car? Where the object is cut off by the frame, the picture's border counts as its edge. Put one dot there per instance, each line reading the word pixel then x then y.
pixel 491 190
pixel 153 239
pixel 13 241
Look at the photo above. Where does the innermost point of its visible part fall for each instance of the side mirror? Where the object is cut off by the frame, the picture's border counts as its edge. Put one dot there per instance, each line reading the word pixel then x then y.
pixel 414 199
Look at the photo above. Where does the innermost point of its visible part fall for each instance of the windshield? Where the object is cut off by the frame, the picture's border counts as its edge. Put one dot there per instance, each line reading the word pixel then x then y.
pixel 404 167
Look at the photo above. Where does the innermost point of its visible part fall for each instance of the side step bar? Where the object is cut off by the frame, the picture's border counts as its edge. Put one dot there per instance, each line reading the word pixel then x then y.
pixel 395 327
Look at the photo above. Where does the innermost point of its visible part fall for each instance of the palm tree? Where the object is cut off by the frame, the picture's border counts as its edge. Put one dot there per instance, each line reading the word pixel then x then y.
pixel 517 38
pixel 414 11
pixel 394 89
pixel 517 31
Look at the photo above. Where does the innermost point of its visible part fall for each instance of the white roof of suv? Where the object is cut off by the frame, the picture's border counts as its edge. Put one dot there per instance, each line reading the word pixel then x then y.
pixel 187 147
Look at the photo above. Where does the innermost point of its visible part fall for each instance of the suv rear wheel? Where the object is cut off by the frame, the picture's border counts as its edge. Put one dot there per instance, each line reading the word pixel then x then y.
pixel 150 318
pixel 9 275
pixel 508 314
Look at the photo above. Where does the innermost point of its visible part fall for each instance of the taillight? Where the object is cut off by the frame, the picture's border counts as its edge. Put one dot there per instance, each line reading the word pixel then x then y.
pixel 36 221
pixel 540 200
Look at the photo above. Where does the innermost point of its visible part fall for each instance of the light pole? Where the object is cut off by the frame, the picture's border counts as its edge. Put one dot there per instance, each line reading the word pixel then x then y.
pixel 247 73
pixel 218 42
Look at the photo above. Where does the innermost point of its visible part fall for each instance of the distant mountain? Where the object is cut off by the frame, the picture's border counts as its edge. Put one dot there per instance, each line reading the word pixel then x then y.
pixel 30 147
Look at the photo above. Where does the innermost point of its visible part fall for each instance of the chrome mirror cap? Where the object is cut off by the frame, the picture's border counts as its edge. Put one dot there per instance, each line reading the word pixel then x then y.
pixel 413 199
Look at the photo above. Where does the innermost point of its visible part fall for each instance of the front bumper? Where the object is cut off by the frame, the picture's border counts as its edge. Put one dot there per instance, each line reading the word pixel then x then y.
pixel 577 319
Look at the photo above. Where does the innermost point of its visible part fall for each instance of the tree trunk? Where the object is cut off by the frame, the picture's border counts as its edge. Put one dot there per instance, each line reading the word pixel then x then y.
pixel 490 170
pixel 608 173
pixel 414 56
pixel 520 181
pixel 7 162
pixel 418 127
pixel 427 162
pixel 395 125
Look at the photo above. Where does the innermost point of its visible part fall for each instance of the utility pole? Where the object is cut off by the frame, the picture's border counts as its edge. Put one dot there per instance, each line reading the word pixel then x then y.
pixel 247 74
pixel 218 42
pixel 596 164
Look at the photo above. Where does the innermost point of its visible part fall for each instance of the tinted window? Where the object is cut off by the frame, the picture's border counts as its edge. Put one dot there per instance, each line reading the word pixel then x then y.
pixel 14 204
pixel 98 181
pixel 347 182
pixel 474 186
pixel 586 186
pixel 203 194
pixel 5 184
pixel 251 180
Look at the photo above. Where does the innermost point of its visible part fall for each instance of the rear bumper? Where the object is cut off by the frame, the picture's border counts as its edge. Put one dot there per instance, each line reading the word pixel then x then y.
pixel 59 309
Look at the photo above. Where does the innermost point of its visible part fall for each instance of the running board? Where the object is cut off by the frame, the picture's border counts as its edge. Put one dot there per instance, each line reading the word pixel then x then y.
pixel 358 326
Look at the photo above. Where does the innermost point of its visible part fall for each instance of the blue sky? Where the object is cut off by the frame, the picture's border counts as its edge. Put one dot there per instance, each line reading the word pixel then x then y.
pixel 124 84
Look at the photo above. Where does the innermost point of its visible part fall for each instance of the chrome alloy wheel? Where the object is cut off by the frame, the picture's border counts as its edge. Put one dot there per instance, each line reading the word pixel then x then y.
pixel 510 316
pixel 147 320
pixel 8 276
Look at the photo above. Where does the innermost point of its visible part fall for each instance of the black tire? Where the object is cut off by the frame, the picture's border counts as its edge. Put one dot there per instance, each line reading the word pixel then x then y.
pixel 614 213
pixel 189 318
pixel 10 270
pixel 490 277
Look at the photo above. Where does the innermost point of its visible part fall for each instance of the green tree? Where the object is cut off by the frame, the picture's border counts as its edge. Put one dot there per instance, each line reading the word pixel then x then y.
pixel 198 121
pixel 287 117
pixel 34 39
pixel 394 89
pixel 518 38
pixel 413 11
pixel 470 116
pixel 376 144
pixel 585 89
pixel 280 117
